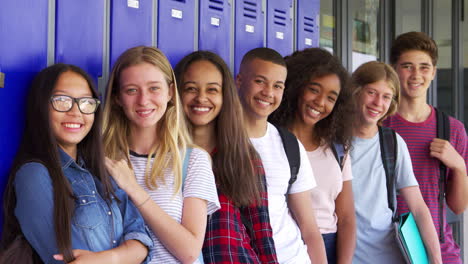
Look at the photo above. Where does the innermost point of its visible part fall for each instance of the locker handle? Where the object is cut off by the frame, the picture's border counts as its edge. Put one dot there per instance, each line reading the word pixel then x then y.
pixel 2 80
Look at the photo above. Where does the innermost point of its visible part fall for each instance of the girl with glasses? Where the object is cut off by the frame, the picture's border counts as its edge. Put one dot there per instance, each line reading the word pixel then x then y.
pixel 211 104
pixel 60 204
pixel 151 156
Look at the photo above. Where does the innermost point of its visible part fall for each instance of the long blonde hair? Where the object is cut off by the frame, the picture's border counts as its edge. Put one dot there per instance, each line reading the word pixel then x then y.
pixel 172 131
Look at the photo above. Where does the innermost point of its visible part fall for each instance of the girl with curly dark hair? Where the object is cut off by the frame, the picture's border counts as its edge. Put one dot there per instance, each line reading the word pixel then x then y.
pixel 317 109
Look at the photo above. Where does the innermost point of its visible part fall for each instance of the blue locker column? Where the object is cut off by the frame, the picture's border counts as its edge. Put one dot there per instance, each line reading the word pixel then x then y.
pixel 130 26
pixel 248 29
pixel 308 24
pixel 279 26
pixel 215 27
pixel 175 28
pixel 79 34
pixel 23 53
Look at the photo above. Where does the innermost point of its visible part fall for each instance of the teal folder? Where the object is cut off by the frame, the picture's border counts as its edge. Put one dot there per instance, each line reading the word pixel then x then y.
pixel 410 240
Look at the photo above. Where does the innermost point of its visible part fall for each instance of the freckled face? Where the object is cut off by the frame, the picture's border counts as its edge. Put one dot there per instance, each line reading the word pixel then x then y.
pixel 144 95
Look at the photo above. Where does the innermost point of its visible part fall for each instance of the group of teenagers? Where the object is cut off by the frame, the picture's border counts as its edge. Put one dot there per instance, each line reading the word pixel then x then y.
pixel 281 164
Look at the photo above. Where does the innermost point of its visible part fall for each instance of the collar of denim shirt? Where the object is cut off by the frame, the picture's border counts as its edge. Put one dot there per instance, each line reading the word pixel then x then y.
pixel 67 161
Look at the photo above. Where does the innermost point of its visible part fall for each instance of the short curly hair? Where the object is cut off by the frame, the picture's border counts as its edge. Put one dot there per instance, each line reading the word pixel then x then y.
pixel 304 66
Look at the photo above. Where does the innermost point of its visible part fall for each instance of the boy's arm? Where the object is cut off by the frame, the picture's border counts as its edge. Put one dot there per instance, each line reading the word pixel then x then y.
pixel 422 216
pixel 457 186
pixel 300 205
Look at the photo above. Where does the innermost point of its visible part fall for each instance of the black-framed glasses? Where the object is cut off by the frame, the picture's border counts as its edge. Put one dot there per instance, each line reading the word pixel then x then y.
pixel 64 103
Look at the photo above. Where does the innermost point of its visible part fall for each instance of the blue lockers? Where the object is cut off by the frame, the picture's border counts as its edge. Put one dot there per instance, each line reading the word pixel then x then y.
pixel 176 34
pixel 215 27
pixel 279 29
pixel 248 33
pixel 130 26
pixel 23 53
pixel 308 34
pixel 79 34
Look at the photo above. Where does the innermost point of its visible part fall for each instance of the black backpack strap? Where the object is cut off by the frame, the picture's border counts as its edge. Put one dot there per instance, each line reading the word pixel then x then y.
pixel 339 152
pixel 291 147
pixel 443 132
pixel 388 150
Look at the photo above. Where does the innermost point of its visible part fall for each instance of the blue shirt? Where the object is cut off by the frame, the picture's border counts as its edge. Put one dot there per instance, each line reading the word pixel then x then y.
pixel 95 225
pixel 376 242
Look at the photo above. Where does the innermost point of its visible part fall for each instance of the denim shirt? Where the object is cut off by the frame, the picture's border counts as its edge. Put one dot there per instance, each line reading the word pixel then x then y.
pixel 95 224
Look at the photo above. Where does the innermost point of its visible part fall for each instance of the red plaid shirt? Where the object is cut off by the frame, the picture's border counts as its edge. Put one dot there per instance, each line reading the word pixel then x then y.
pixel 227 240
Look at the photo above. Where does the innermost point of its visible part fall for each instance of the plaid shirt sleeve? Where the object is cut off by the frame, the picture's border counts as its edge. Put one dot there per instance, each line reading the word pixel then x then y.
pixel 260 231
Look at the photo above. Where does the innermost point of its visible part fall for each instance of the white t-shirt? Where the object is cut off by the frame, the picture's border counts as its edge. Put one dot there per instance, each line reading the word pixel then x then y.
pixel 199 183
pixel 376 242
pixel 288 242
pixel 330 180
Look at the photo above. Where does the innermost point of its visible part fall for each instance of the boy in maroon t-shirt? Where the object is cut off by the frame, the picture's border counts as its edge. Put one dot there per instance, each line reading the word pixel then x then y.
pixel 414 57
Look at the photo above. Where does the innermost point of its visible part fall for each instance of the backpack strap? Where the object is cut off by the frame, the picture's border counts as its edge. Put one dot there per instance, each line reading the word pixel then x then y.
pixel 291 147
pixel 188 151
pixel 443 132
pixel 388 150
pixel 339 152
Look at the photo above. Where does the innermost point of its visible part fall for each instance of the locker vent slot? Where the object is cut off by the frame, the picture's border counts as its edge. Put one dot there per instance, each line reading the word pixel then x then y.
pixel 250 9
pixel 279 17
pixel 216 5
pixel 309 24
pixel 181 1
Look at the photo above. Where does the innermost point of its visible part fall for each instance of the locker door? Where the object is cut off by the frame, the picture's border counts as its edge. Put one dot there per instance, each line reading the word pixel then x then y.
pixel 215 27
pixel 248 29
pixel 23 53
pixel 131 25
pixel 308 27
pixel 279 26
pixel 175 28
pixel 79 34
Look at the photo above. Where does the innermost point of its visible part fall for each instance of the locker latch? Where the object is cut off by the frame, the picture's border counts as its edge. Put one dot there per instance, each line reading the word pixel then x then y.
pixel 2 80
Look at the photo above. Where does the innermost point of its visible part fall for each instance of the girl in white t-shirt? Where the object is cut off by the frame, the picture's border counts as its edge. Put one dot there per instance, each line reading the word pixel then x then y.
pixel 146 140
pixel 315 109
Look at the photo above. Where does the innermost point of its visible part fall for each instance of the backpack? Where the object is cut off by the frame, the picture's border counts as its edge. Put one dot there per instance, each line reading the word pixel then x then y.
pixel 339 152
pixel 291 147
pixel 388 149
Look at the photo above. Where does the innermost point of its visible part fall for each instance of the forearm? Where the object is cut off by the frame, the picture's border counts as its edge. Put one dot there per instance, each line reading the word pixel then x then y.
pixel 315 247
pixel 346 242
pixel 457 191
pixel 183 244
pixel 428 233
pixel 129 252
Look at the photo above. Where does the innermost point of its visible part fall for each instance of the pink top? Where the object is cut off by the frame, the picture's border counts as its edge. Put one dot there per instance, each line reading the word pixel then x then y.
pixel 330 180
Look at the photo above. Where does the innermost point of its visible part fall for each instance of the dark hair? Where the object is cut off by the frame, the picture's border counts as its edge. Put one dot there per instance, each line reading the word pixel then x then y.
pixel 374 71
pixel 265 54
pixel 40 145
pixel 413 41
pixel 304 66
pixel 232 164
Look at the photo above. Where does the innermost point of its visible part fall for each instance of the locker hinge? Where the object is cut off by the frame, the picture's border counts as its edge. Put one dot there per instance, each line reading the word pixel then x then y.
pixel 2 80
